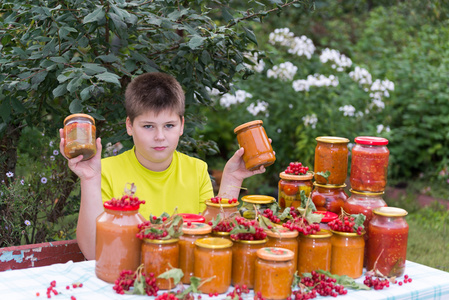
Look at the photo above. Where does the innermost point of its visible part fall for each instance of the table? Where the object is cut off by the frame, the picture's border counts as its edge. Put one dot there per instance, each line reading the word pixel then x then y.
pixel 428 283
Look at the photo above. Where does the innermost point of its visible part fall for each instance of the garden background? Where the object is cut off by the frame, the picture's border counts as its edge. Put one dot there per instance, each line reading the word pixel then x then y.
pixel 306 68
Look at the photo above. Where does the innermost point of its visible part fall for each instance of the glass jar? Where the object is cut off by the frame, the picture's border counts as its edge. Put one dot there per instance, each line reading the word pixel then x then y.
pixel 80 136
pixel 387 243
pixel 369 164
pixel 158 256
pixel 348 250
pixel 243 259
pixel 213 209
pixel 364 202
pixel 290 187
pixel 329 197
pixel 252 202
pixel 213 258
pixel 284 238
pixel 314 252
pixel 194 218
pixel 117 247
pixel 331 154
pixel 274 271
pixel 191 232
pixel 327 216
pixel 221 235
pixel 258 151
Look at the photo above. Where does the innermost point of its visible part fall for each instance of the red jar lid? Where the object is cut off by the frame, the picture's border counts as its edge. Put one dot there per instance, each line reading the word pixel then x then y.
pixel 110 206
pixel 327 215
pixel 193 218
pixel 371 140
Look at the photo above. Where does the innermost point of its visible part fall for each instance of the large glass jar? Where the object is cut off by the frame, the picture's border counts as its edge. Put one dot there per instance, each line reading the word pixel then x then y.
pixel 284 238
pixel 364 202
pixel 252 202
pixel 329 197
pixel 290 187
pixel 213 258
pixel 243 259
pixel 159 256
pixel 314 252
pixel 387 243
pixel 369 164
pixel 80 136
pixel 274 271
pixel 253 138
pixel 213 209
pixel 348 250
pixel 116 246
pixel 331 154
pixel 191 232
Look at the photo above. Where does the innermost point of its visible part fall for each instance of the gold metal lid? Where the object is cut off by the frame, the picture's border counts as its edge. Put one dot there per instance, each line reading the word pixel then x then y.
pixel 248 124
pixel 332 139
pixel 366 193
pixel 330 186
pixel 169 241
pixel 258 199
pixel 213 243
pixel 253 242
pixel 275 254
pixel 348 234
pixel 390 211
pixel 68 118
pixel 307 176
pixel 222 203
pixel 322 234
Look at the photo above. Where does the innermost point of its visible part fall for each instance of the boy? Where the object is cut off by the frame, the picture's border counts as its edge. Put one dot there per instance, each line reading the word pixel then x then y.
pixel 164 177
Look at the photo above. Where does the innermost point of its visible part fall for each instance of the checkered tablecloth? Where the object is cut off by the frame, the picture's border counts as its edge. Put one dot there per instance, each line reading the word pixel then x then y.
pixel 428 283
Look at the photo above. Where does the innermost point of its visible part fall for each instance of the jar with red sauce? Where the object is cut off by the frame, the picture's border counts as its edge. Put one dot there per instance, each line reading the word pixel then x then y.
pixel 364 202
pixel 79 136
pixel 243 260
pixel 369 164
pixel 387 243
pixel 258 151
pixel 224 207
pixel 314 252
pixel 331 154
pixel 329 197
pixel 347 256
pixel 284 238
pixel 290 187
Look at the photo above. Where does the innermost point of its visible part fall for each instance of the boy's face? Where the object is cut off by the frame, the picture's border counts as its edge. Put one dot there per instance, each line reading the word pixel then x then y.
pixel 155 138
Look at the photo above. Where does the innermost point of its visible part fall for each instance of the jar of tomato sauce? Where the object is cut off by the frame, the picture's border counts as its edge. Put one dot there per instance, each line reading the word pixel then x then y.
pixel 290 187
pixel 274 271
pixel 213 258
pixel 387 243
pixel 159 256
pixel 331 154
pixel 348 250
pixel 243 259
pixel 213 209
pixel 258 151
pixel 80 136
pixel 284 238
pixel 117 247
pixel 252 202
pixel 314 252
pixel 191 232
pixel 329 197
pixel 364 202
pixel 369 164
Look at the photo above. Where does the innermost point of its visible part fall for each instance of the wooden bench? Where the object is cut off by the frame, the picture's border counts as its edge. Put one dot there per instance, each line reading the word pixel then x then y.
pixel 37 255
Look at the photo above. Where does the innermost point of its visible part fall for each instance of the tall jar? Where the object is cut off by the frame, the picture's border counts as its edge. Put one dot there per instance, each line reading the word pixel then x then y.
pixel 331 154
pixel 348 250
pixel 213 209
pixel 79 136
pixel 364 202
pixel 252 202
pixel 258 151
pixel 243 259
pixel 314 252
pixel 158 256
pixel 369 164
pixel 387 243
pixel 284 238
pixel 116 246
pixel 274 271
pixel 290 187
pixel 213 258
pixel 191 232
pixel 329 197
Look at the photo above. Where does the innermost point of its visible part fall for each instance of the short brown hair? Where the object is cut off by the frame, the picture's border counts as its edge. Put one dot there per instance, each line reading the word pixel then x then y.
pixel 154 92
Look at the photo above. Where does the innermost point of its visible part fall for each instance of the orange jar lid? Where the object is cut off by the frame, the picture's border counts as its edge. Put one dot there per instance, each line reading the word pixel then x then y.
pixel 276 254
pixel 331 140
pixel 196 228
pixel 390 211
pixel 322 234
pixel 223 203
pixel 282 233
pixel 68 118
pixel 168 241
pixel 330 186
pixel 307 176
pixel 258 199
pixel 213 243
pixel 248 124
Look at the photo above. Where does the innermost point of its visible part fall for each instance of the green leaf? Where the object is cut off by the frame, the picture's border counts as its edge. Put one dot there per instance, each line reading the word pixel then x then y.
pixel 139 285
pixel 95 16
pixel 39 77
pixel 76 106
pixel 59 59
pixel 2 127
pixel 74 84
pixel 85 93
pixel 205 57
pixel 108 58
pixel 17 105
pixel 108 77
pixel 250 35
pixel 60 90
pixel 5 110
pixel 196 41
pixel 226 15
pixel 174 273
pixel 92 69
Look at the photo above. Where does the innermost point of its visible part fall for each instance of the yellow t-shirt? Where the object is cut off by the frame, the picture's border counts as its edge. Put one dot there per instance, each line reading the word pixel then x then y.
pixel 185 184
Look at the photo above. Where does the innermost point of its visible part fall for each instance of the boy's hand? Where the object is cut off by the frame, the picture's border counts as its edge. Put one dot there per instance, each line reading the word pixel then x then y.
pixel 236 166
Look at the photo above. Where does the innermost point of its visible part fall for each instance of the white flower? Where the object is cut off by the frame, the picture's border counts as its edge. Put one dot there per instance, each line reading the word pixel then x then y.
pixel 44 180
pixel 240 96
pixel 255 109
pixel 22 182
pixel 51 144
pixel 212 92
pixel 340 61
pixel 301 46
pixel 27 223
pixel 310 120
pixel 314 80
pixel 348 110
pixel 362 76
pixel 279 130
pixel 9 174
pixel 381 127
pixel 259 65
pixel 284 71
pixel 52 158
pixel 55 152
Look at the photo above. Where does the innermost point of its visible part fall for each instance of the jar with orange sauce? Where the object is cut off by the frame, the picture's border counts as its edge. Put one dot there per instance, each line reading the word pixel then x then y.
pixel 331 154
pixel 243 259
pixel 191 232
pixel 251 203
pixel 329 197
pixel 274 271
pixel 314 252
pixel 224 207
pixel 258 151
pixel 79 136
pixel 284 238
pixel 290 187
pixel 348 250
pixel 213 258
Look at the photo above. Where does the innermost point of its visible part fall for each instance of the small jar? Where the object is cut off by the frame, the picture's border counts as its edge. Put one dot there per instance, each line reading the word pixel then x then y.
pixel 274 271
pixel 213 209
pixel 243 259
pixel 331 154
pixel 284 238
pixel 117 247
pixel 191 233
pixel 364 202
pixel 258 151
pixel 327 216
pixel 80 136
pixel 348 250
pixel 314 252
pixel 387 243
pixel 290 187
pixel 213 258
pixel 159 256
pixel 329 197
pixel 252 202
pixel 369 164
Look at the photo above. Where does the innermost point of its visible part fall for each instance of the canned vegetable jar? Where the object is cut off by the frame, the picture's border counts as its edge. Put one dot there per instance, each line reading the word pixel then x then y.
pixel 331 154
pixel 290 187
pixel 80 136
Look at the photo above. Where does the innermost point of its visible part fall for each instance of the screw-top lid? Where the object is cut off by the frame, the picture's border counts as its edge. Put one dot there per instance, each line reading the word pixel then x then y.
pixel 68 118
pixel 322 234
pixel 213 243
pixel 110 206
pixel 159 241
pixel 371 140
pixel 327 215
pixel 193 218
pixel 248 124
pixel 196 228
pixel 332 139
pixel 348 234
pixel 250 242
pixel 282 233
pixel 258 199
pixel 223 203
pixel 330 186
pixel 390 211
pixel 276 254
pixel 366 193
pixel 307 176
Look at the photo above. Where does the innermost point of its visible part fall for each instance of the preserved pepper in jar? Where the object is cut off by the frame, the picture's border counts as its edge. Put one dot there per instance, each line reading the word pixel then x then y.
pixel 387 243
pixel 369 164
pixel 252 202
pixel 331 154
pixel 274 272
pixel 224 206
pixel 329 197
pixel 243 259
pixel 314 252
pixel 290 187
pixel 284 238
pixel 80 136
pixel 364 202
pixel 348 250
pixel 258 151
